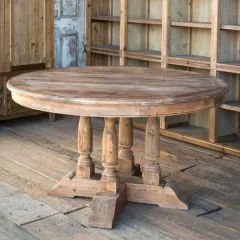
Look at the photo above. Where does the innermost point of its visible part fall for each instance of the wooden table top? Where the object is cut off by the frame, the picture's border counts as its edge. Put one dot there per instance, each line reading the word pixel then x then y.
pixel 116 91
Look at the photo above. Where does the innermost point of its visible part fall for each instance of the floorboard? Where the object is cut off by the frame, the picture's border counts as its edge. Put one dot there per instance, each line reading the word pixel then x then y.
pixel 21 208
pixel 36 185
pixel 11 231
pixel 36 153
pixel 61 227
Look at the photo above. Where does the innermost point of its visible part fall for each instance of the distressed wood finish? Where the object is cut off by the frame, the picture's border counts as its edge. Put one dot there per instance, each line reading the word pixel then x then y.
pixel 85 168
pixel 116 92
pixel 126 158
pixel 26 44
pixel 69 33
pixel 193 35
pixel 109 181
pixel 151 171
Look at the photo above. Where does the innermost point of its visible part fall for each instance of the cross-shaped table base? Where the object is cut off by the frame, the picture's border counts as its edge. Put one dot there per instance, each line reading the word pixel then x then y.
pixel 121 181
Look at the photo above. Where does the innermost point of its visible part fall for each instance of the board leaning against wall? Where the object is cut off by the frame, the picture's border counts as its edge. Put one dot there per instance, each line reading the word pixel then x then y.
pixel 192 35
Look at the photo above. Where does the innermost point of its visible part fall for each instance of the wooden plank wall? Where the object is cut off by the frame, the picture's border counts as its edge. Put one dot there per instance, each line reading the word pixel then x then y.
pixel 26 44
pixel 193 35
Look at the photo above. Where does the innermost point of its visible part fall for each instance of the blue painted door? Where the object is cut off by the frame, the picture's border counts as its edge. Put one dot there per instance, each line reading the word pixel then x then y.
pixel 69 33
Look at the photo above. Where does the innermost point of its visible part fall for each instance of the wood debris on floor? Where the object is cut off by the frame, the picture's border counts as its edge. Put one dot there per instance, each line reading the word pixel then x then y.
pixel 36 153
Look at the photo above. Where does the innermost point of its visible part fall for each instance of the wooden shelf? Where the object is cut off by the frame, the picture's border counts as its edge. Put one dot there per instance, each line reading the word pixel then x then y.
pixel 230 27
pixel 199 136
pixel 190 61
pixel 192 24
pixel 189 38
pixel 231 106
pixel 231 67
pixel 130 20
pixel 146 55
pixel 106 18
pixel 145 21
pixel 111 50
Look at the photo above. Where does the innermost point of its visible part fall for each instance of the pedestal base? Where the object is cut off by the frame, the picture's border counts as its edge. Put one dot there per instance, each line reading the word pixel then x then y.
pixel 106 207
pixel 72 186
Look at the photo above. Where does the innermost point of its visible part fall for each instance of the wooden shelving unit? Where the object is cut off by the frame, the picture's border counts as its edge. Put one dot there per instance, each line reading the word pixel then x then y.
pixel 191 24
pixel 194 61
pixel 193 35
pixel 109 50
pixel 105 19
pixel 146 55
pixel 145 21
pixel 130 20
pixel 230 27
pixel 231 106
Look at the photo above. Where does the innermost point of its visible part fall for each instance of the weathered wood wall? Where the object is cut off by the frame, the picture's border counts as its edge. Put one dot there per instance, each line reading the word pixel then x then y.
pixel 193 35
pixel 26 43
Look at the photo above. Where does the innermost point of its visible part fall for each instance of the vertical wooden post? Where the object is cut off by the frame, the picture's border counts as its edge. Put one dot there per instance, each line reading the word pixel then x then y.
pixel 85 166
pixel 215 36
pixel 125 125
pixel 212 125
pixel 7 35
pixel 238 81
pixel 164 47
pixel 126 158
pixel 152 171
pixel 110 29
pixel 49 50
pixel 52 117
pixel 165 32
pixel 214 58
pixel 109 181
pixel 123 30
pixel 190 29
pixel 88 27
pixel 147 16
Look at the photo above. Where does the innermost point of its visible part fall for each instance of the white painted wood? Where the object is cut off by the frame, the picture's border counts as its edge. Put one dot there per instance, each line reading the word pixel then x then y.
pixel 69 33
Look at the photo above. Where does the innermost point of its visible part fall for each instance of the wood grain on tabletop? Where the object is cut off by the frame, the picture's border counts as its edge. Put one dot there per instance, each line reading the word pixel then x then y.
pixel 134 91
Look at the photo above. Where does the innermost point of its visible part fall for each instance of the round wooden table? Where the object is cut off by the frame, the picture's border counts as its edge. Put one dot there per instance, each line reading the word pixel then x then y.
pixel 125 93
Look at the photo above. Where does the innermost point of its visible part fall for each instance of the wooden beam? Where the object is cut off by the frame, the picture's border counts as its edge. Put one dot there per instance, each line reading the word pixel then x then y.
pixel 88 27
pixel 214 58
pixel 123 30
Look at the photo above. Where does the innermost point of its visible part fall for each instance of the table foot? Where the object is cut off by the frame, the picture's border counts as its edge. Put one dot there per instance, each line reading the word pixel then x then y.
pixel 164 197
pixel 106 208
pixel 73 186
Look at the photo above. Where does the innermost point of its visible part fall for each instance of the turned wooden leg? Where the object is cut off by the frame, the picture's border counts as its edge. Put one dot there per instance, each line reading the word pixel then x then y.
pixel 126 158
pixel 108 203
pixel 150 191
pixel 80 182
pixel 151 171
pixel 109 181
pixel 52 117
pixel 85 166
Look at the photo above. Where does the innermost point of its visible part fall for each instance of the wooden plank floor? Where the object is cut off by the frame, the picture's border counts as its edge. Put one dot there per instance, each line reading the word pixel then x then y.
pixel 36 153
